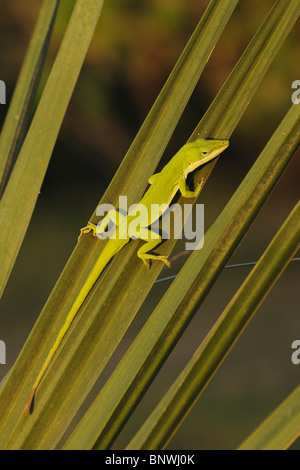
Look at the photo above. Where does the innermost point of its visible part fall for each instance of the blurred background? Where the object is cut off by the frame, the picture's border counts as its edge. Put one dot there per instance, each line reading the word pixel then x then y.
pixel 132 53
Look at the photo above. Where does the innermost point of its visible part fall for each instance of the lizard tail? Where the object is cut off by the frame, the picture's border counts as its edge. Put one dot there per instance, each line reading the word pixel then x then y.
pixel 30 402
pixel 86 288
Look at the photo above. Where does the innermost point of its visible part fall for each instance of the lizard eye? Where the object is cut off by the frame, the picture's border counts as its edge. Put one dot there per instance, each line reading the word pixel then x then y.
pixel 204 152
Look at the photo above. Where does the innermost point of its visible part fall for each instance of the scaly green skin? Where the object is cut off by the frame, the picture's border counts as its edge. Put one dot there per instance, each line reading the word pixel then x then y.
pixel 164 186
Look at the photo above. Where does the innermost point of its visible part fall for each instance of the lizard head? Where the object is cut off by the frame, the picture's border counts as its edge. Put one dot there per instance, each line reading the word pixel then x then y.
pixel 202 151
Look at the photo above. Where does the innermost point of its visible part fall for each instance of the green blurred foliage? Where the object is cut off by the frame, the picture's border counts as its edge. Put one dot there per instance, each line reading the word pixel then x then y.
pixel 133 51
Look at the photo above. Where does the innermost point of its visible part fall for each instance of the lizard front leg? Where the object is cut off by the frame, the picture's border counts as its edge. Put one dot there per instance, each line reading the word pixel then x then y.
pixel 184 190
pixel 112 216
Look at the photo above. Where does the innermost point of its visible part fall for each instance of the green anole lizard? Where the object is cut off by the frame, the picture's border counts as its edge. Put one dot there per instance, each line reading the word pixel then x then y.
pixel 163 187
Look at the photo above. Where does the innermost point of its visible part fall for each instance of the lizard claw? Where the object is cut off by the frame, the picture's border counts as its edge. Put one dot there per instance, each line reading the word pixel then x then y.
pixel 87 229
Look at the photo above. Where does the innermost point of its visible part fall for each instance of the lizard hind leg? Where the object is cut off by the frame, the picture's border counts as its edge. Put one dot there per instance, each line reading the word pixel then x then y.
pixel 143 252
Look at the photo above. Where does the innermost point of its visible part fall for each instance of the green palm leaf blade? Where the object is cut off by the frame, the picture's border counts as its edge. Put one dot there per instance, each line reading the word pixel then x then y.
pixel 22 190
pixel 20 108
pixel 280 429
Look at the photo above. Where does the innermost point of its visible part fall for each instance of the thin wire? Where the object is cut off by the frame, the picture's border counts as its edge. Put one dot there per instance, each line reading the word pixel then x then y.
pixel 252 263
